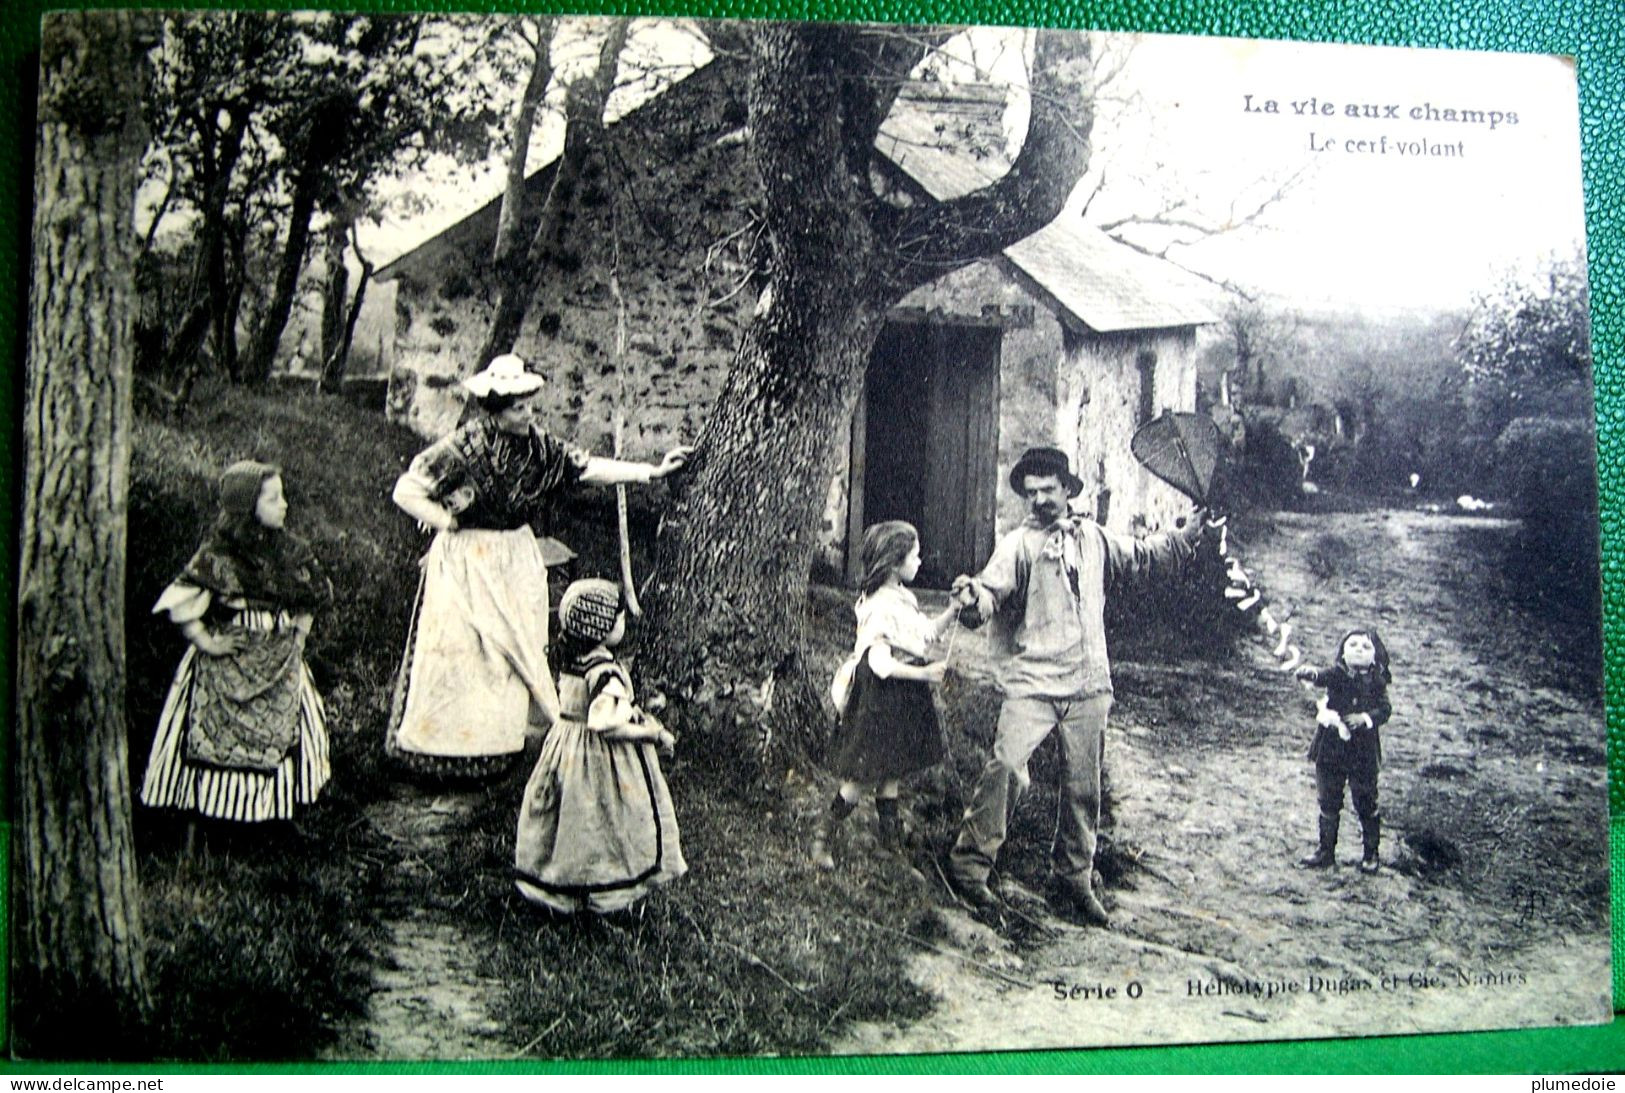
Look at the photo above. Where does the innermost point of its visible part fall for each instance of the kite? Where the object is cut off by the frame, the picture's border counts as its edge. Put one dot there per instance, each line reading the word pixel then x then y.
pixel 1183 449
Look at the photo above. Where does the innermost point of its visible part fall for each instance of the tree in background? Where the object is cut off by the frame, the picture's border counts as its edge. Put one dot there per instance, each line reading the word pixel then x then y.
pixel 266 121
pixel 530 237
pixel 1526 347
pixel 1526 351
pixel 212 77
pixel 78 952
pixel 1266 344
pixel 840 250
pixel 581 163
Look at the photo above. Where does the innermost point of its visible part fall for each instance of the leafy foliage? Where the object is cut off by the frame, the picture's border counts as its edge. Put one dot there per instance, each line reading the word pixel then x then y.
pixel 1531 331
pixel 260 120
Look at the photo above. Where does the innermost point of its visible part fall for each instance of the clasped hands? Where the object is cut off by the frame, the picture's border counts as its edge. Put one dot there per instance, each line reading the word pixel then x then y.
pixel 1329 718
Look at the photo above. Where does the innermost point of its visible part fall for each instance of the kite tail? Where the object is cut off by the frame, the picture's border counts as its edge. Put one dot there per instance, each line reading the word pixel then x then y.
pixel 1247 596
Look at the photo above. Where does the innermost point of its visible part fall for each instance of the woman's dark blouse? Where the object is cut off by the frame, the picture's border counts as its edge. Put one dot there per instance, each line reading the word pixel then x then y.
pixel 496 480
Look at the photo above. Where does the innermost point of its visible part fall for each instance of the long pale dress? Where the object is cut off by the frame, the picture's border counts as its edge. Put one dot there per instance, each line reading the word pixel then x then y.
pixel 474 679
pixel 267 757
pixel 597 831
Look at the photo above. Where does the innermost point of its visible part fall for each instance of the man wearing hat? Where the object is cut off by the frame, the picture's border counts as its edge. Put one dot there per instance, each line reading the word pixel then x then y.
pixel 1045 590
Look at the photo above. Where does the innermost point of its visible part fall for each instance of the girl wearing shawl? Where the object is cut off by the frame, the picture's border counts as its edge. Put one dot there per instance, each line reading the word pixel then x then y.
pixel 475 674
pixel 242 735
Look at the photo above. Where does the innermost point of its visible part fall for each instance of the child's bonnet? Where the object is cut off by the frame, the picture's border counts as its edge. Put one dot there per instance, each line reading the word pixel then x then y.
pixel 889 616
pixel 588 612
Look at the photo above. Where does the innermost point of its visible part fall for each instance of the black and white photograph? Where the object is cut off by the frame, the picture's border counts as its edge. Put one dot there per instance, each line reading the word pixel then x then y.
pixel 578 537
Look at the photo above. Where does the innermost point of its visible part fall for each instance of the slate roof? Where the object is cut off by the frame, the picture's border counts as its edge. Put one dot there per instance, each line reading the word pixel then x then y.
pixel 1101 283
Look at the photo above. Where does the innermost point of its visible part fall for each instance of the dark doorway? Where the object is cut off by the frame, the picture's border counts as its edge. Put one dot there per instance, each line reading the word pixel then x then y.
pixel 925 444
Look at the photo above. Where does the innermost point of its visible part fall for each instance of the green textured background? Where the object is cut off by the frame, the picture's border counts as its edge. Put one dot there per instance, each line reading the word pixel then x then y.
pixel 1593 31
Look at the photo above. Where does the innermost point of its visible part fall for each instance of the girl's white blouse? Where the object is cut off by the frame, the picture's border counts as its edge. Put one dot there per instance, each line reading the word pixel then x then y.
pixel 890 618
pixel 183 602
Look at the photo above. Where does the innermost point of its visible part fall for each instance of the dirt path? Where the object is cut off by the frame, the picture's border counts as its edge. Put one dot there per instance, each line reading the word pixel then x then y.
pixel 429 999
pixel 1221 937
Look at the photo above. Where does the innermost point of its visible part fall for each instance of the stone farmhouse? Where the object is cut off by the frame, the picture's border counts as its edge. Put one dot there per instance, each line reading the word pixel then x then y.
pixel 1066 338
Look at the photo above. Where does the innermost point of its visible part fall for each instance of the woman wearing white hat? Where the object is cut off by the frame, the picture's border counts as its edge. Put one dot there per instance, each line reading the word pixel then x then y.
pixel 475 674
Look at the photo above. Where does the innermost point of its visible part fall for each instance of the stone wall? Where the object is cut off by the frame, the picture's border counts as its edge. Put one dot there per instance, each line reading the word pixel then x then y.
pixel 682 236
pixel 688 193
pixel 1099 407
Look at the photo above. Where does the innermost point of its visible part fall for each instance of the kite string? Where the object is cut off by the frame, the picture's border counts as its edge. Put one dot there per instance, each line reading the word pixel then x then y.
pixel 633 607
pixel 948 655
pixel 1168 447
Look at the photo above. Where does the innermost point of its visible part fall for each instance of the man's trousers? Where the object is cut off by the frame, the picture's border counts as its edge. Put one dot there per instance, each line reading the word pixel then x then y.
pixel 1023 724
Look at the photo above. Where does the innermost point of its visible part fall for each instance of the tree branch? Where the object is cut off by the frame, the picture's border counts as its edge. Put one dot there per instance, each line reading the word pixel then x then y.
pixel 511 213
pixel 949 234
pixel 1232 287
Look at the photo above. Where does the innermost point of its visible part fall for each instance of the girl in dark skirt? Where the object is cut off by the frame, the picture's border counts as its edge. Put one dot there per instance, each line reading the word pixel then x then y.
pixel 888 723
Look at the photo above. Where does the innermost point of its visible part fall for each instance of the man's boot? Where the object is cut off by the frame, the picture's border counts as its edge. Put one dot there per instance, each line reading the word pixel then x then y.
pixel 1326 854
pixel 975 892
pixel 819 853
pixel 891 824
pixel 1370 837
pixel 1078 894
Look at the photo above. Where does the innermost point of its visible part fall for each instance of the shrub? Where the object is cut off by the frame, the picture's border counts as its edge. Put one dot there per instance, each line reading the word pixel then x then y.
pixel 1546 466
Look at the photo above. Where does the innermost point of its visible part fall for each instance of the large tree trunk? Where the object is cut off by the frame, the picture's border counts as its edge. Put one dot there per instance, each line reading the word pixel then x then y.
pixel 737 543
pixel 257 368
pixel 79 956
pixel 736 547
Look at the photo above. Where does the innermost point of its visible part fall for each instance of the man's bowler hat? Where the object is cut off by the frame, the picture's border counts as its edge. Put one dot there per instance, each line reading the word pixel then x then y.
pixel 1043 463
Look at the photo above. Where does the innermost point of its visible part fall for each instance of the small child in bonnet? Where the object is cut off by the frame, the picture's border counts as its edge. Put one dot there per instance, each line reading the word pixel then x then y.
pixel 597 831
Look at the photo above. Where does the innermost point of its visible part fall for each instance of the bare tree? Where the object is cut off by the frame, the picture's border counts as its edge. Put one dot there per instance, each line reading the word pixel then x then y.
pixel 79 949
pixel 1143 204
pixel 336 357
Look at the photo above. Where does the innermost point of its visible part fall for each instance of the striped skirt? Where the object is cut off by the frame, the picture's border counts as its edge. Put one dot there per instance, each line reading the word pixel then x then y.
pixel 173 782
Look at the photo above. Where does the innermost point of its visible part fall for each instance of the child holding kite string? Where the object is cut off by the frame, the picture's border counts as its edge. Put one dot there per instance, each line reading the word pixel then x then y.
pixel 1346 747
pixel 882 692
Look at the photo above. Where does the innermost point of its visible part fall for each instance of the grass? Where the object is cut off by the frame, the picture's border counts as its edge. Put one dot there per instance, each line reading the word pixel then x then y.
pixel 263 942
pixel 258 946
pixel 752 952
pixel 260 941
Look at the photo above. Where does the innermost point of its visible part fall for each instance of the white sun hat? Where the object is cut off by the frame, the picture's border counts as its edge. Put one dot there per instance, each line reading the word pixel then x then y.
pixel 505 375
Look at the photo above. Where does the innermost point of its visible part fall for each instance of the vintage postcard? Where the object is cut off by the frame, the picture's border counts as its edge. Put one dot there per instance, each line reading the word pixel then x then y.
pixel 651 537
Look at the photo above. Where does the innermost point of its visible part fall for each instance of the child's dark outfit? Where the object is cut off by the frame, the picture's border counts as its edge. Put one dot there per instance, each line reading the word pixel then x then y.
pixel 1354 761
pixel 888 726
